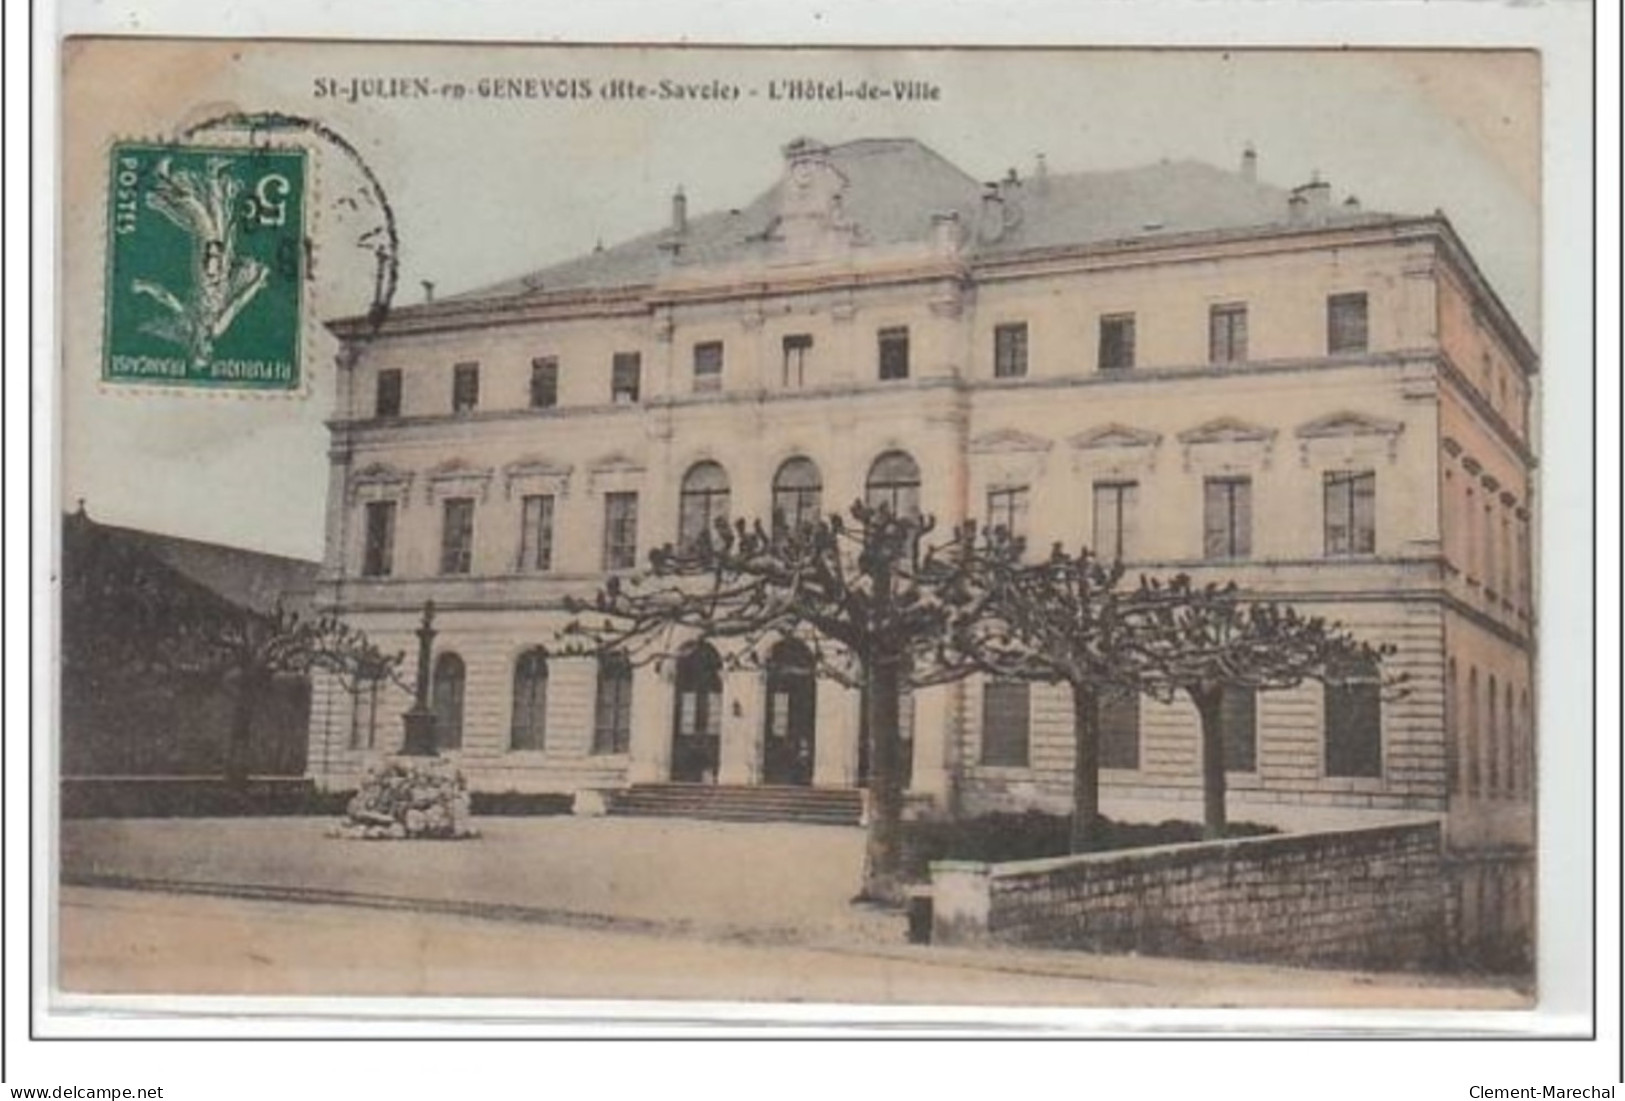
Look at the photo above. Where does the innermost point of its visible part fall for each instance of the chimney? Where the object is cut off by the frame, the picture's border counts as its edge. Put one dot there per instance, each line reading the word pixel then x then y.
pixel 1351 205
pixel 1297 207
pixel 428 290
pixel 1311 202
pixel 945 233
pixel 679 211
pixel 1041 175
pixel 991 225
pixel 1249 164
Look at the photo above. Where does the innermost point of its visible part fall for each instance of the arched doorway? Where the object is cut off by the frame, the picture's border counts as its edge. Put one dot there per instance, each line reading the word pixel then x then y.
pixel 789 737
pixel 446 701
pixel 696 732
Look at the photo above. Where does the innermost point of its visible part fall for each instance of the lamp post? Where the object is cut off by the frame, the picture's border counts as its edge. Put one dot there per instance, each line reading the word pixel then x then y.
pixel 419 720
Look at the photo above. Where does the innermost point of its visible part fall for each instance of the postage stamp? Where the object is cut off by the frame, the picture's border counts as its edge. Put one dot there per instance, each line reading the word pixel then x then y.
pixel 205 263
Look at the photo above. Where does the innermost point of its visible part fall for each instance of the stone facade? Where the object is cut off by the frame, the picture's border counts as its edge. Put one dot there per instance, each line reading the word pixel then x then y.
pixel 1369 897
pixel 1093 358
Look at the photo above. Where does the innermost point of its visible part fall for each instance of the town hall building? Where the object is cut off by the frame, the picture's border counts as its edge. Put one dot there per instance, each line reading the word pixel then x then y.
pixel 1180 366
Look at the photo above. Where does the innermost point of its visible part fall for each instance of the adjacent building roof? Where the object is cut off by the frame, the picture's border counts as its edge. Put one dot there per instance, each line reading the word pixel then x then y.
pixel 895 189
pixel 244 578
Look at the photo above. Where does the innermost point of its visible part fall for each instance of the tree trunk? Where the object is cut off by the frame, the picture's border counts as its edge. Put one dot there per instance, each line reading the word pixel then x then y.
pixel 1086 820
pixel 238 740
pixel 1208 706
pixel 882 870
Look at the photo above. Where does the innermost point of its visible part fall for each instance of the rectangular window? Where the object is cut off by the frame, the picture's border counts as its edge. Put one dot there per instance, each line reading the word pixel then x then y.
pixel 797 350
pixel 387 398
pixel 1118 712
pixel 1487 536
pixel 1117 342
pixel 1353 725
pixel 1351 512
pixel 1115 520
pixel 894 352
pixel 708 365
pixel 457 535
pixel 1010 350
pixel 465 387
pixel 1006 709
pixel 1238 728
pixel 378 556
pixel 1227 334
pixel 544 382
pixel 1346 329
pixel 620 531
pixel 612 711
pixel 1227 518
pixel 626 371
pixel 1007 509
pixel 536 532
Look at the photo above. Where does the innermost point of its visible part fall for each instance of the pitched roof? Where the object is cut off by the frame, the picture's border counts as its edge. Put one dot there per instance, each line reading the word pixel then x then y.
pixel 245 578
pixel 894 188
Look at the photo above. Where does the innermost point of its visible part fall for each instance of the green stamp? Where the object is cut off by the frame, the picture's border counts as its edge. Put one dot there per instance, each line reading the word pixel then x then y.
pixel 205 264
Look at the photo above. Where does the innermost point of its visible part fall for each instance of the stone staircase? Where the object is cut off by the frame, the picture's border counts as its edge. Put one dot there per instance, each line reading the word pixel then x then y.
pixel 741 803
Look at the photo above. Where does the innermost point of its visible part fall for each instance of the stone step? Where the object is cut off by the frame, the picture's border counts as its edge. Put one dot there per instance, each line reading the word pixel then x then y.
pixel 740 803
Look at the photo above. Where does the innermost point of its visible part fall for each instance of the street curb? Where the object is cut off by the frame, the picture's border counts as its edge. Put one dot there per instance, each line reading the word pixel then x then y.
pixel 493 911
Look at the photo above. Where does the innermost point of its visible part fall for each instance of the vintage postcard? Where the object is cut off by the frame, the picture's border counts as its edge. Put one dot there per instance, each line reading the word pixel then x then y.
pixel 767 525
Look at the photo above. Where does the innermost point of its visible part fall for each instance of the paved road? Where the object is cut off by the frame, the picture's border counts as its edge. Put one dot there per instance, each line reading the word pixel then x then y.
pixel 138 942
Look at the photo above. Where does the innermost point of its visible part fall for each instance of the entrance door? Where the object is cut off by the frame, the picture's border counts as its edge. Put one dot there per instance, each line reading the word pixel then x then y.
pixel 696 733
pixel 790 735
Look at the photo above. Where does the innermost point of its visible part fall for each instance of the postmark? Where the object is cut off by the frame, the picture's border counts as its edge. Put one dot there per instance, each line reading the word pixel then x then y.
pixel 205 270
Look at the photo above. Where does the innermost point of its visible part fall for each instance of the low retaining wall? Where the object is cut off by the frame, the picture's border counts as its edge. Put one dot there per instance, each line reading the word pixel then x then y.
pixel 1372 898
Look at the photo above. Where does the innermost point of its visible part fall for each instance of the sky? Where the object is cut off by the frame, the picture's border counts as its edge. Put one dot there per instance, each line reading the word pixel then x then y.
pixel 484 189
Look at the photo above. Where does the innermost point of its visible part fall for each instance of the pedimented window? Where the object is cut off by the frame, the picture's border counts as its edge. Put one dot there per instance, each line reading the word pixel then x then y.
pixel 1226 445
pixel 457 478
pixel 1115 449
pixel 532 475
pixel 1348 438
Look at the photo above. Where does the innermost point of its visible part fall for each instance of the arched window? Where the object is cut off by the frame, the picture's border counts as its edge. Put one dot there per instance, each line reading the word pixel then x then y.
pixel 1353 720
pixel 529 729
pixel 447 701
pixel 797 494
pixel 704 501
pixel 894 483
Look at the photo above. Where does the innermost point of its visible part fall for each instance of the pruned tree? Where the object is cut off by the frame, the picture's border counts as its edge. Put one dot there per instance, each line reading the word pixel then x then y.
pixel 1202 640
pixel 872 602
pixel 249 650
pixel 1064 619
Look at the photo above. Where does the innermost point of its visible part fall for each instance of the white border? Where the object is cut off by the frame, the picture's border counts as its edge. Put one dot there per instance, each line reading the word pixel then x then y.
pixel 1560 29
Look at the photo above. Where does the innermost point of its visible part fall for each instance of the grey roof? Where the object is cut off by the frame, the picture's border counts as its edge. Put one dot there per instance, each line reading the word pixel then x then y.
pixel 896 185
pixel 246 578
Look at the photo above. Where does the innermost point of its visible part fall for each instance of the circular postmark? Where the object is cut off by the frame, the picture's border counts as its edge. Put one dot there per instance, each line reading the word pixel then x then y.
pixel 354 199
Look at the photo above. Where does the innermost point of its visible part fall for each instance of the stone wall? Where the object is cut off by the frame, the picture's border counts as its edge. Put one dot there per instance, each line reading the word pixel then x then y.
pixel 1355 898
